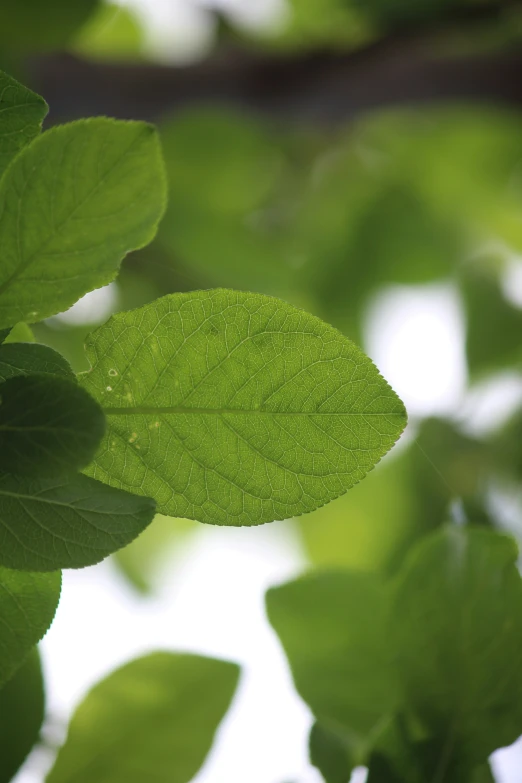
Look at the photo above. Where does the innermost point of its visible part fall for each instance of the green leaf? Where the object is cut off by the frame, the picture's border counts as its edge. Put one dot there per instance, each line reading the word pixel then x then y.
pixel 48 426
pixel 32 359
pixel 153 719
pixel 21 115
pixel 234 408
pixel 20 333
pixel 27 606
pixel 90 192
pixel 408 495
pixel 28 25
pixel 66 523
pixel 112 33
pixel 492 343
pixel 457 642
pixel 333 629
pixel 21 715
pixel 331 754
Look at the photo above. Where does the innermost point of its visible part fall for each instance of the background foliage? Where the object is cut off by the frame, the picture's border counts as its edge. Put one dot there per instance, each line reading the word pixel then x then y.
pixel 343 151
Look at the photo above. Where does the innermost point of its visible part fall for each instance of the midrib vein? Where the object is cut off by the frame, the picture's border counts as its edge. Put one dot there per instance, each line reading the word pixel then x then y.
pixel 154 411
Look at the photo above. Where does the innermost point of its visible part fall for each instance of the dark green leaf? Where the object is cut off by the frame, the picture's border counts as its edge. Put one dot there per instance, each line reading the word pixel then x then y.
pixel 457 642
pixel 28 25
pixel 494 342
pixel 331 754
pixel 92 191
pixel 21 715
pixel 48 426
pixel 66 523
pixel 32 359
pixel 27 606
pixel 153 719
pixel 333 628
pixel 21 115
pixel 234 408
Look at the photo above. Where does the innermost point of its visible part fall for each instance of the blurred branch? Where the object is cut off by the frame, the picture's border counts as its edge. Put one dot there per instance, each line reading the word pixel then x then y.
pixel 321 86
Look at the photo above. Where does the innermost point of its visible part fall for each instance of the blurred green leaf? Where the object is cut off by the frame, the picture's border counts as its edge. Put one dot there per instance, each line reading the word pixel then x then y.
pixel 506 445
pixel 494 325
pixel 27 606
pixel 321 22
pixel 300 412
pixel 21 715
pixel 93 190
pixel 406 496
pixel 113 32
pixel 49 425
pixel 33 25
pixel 140 562
pixel 330 753
pixel 457 642
pixel 22 113
pixel 402 754
pixel 20 333
pixel 66 522
pixel 333 629
pixel 154 718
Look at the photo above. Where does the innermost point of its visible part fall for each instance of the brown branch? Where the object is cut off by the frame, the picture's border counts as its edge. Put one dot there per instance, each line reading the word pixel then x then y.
pixel 321 86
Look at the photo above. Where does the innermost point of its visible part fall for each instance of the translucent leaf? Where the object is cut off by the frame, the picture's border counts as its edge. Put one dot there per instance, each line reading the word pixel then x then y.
pixel 20 333
pixel 27 606
pixel 234 408
pixel 153 719
pixel 66 523
pixel 90 191
pixel 48 425
pixel 21 115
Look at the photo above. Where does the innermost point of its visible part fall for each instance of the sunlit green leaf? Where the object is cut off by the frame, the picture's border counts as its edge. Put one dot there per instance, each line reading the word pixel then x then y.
pixel 66 523
pixel 91 191
pixel 333 629
pixel 21 715
pixel 235 409
pixel 27 606
pixel 21 116
pixel 154 718
pixel 48 425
